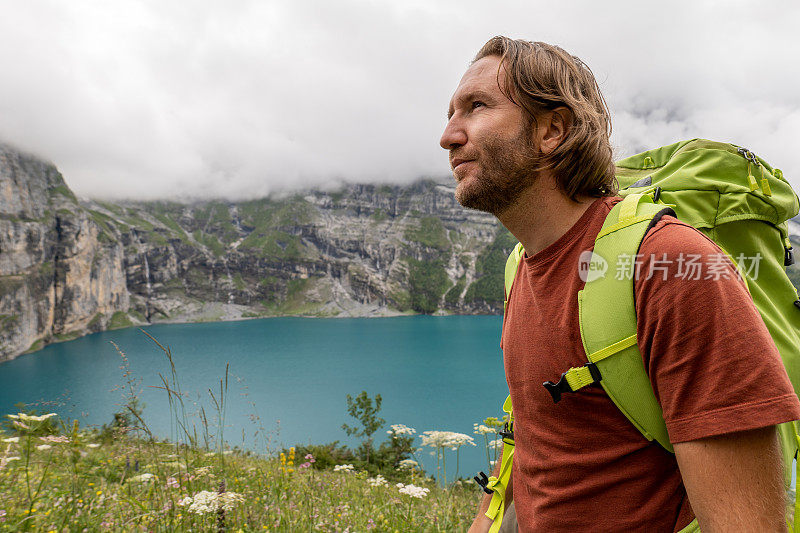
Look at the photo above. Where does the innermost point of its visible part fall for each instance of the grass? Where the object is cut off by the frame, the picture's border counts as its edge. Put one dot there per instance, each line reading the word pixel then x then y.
pixel 58 476
pixel 136 484
pixel 119 320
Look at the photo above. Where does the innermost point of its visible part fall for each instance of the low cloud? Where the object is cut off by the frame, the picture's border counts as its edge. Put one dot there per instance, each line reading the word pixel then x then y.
pixel 205 99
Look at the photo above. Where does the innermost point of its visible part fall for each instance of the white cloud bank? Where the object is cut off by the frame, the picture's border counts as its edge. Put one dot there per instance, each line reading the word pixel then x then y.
pixel 146 99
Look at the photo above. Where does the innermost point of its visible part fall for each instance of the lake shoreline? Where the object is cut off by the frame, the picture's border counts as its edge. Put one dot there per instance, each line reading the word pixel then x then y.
pixel 211 312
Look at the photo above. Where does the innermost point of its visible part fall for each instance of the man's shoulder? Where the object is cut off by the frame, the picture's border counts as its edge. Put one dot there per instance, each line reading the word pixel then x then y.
pixel 673 236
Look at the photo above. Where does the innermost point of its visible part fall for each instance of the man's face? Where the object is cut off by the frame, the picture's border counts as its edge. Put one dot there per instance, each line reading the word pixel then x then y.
pixel 492 150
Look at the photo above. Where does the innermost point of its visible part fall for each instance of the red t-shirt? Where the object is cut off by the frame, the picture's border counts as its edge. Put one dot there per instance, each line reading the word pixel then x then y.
pixel 580 465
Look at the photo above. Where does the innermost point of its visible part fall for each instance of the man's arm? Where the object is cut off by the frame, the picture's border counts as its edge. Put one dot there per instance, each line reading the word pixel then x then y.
pixel 481 524
pixel 735 481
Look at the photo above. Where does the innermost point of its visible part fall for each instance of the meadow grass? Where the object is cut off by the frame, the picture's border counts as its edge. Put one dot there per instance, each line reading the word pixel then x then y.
pixel 56 476
pixel 77 482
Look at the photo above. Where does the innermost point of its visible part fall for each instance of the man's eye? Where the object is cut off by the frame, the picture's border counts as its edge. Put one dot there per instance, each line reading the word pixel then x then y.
pixel 476 104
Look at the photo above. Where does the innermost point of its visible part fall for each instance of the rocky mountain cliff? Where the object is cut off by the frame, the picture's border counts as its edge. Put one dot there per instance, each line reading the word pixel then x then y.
pixel 70 267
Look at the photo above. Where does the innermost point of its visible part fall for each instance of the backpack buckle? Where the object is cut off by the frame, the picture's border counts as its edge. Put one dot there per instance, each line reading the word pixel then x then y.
pixel 507 434
pixel 483 481
pixel 788 257
pixel 656 194
pixel 557 389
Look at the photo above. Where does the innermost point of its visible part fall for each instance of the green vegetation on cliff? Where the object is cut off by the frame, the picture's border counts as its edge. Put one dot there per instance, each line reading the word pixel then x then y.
pixel 490 267
pixel 429 232
pixel 427 282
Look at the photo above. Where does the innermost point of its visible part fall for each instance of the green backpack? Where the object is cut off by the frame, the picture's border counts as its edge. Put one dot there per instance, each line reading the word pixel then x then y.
pixel 734 198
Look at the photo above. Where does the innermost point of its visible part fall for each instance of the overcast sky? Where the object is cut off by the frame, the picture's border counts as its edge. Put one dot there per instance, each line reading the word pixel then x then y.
pixel 237 99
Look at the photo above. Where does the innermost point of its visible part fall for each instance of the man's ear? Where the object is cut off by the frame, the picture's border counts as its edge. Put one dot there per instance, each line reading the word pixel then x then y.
pixel 556 124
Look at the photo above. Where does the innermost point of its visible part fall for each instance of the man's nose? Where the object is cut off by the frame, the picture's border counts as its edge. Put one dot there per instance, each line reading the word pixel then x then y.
pixel 454 135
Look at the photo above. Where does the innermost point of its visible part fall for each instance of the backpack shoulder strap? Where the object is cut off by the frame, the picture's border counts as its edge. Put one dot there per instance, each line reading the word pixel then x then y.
pixel 511 271
pixel 608 318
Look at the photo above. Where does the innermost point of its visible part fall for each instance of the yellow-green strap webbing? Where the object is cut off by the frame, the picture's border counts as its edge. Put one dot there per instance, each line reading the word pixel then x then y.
pixel 796 481
pixel 579 377
pixel 499 484
pixel 497 507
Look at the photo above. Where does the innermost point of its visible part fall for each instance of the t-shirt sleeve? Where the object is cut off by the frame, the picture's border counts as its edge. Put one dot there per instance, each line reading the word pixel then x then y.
pixel 712 363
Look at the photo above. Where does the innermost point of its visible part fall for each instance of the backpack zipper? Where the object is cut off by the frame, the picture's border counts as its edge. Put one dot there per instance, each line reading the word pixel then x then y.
pixel 788 256
pixel 753 160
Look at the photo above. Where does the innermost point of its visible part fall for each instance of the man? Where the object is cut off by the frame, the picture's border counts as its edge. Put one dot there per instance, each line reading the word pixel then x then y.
pixel 528 136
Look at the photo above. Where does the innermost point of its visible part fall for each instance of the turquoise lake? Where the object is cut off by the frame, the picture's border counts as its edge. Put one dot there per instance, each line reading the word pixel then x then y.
pixel 434 373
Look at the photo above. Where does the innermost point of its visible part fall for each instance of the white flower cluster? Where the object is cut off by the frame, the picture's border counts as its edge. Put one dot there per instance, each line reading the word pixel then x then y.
pixel 203 471
pixel 52 438
pixel 413 490
pixel 11 439
pixel 446 439
pixel 142 478
pixel 377 481
pixel 343 468
pixel 400 429
pixel 481 429
pixel 210 502
pixel 22 417
pixel 43 447
pixel 408 464
pixel 498 443
pixel 5 460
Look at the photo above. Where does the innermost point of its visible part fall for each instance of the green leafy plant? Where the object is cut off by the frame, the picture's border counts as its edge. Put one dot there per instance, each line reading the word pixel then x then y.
pixel 363 410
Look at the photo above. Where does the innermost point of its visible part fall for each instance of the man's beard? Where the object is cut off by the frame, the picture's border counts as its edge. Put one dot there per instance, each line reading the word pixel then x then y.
pixel 506 169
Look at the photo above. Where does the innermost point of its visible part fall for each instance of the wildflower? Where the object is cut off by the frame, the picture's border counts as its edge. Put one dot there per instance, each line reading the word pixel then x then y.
pixel 408 464
pixel 53 438
pixel 210 502
pixel 310 458
pixel 203 471
pixel 343 468
pixel 22 417
pixel 481 429
pixel 305 465
pixel 141 478
pixel 172 482
pixel 99 493
pixel 446 439
pixel 413 490
pixel 377 481
pixel 92 445
pixel 493 422
pixel 43 447
pixel 4 460
pixel 11 439
pixel 3 514
pixel 400 429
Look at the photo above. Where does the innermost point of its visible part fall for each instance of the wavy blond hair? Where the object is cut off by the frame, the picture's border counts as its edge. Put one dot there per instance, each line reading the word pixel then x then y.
pixel 541 77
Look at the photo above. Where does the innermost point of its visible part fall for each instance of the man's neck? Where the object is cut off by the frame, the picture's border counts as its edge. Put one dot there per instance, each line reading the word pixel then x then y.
pixel 542 214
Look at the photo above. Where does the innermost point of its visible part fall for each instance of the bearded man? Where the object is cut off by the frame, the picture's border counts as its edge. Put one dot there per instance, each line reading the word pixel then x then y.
pixel 528 136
